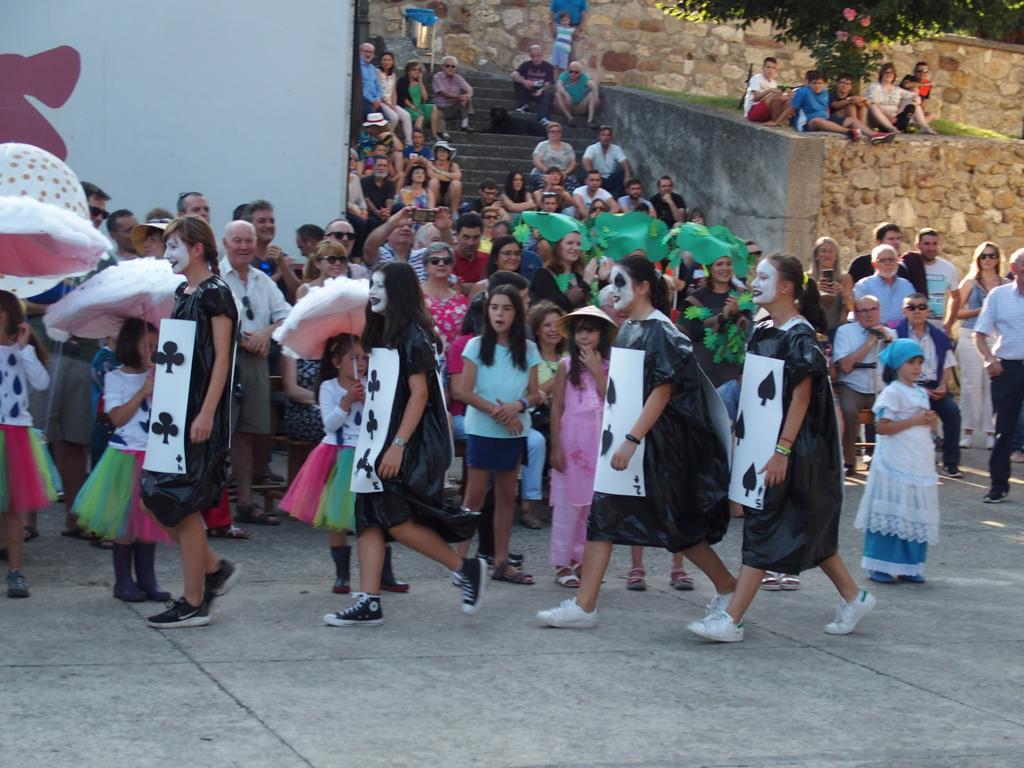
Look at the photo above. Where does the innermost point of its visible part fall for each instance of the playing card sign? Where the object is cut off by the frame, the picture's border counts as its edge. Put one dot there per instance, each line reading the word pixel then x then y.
pixel 623 402
pixel 381 383
pixel 165 446
pixel 756 431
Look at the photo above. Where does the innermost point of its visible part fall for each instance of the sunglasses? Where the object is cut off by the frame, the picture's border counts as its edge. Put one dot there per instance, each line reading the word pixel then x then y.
pixel 94 211
pixel 341 235
pixel 491 216
pixel 756 253
pixel 436 261
pixel 916 307
pixel 449 66
pixel 334 259
pixel 248 308
pixel 989 256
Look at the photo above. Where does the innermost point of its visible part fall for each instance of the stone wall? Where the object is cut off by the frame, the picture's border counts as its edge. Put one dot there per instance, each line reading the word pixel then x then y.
pixel 631 42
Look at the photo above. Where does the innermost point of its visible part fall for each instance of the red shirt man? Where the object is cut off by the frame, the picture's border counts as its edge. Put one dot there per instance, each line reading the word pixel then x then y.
pixel 470 261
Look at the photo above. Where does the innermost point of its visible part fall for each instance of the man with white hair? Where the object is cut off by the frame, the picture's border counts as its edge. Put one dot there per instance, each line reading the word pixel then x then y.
pixel 576 93
pixel 372 92
pixel 886 285
pixel 262 310
pixel 534 81
pixel 453 97
pixel 1002 316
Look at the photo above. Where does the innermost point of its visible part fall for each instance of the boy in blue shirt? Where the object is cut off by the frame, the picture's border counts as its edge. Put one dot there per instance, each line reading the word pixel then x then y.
pixel 809 112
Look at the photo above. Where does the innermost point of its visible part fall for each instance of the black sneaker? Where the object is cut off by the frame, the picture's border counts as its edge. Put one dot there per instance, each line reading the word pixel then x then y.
pixel 365 612
pixel 180 613
pixel 219 582
pixel 995 496
pixel 17 586
pixel 952 470
pixel 474 582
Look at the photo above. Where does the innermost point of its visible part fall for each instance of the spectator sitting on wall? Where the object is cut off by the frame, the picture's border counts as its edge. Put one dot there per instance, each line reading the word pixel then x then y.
pixel 764 99
pixel 453 97
pixel 668 204
pixel 609 160
pixel 534 82
pixel 809 108
pixel 843 102
pixel 893 108
pixel 577 93
pixel 634 199
pixel 919 82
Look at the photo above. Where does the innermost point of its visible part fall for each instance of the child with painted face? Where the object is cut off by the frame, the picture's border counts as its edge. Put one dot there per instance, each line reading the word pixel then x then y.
pixel 177 501
pixel 499 386
pixel 686 468
pixel 410 508
pixel 576 413
pixel 899 511
pixel 109 503
pixel 798 525
pixel 25 480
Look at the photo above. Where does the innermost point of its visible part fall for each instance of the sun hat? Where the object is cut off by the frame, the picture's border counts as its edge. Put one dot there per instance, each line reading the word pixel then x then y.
pixel 445 145
pixel 587 311
pixel 141 231
pixel 375 118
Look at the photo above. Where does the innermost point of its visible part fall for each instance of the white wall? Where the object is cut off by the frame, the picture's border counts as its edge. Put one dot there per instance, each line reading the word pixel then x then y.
pixel 236 99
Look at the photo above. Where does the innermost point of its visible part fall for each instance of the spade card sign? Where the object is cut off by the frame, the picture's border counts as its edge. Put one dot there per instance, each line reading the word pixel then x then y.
pixel 756 431
pixel 623 402
pixel 381 383
pixel 165 446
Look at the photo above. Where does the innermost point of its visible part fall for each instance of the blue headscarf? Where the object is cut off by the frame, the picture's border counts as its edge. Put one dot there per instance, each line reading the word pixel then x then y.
pixel 897 353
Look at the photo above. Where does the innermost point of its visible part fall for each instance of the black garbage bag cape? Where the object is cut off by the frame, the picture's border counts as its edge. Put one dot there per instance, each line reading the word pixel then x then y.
pixel 171 498
pixel 418 491
pixel 686 467
pixel 798 527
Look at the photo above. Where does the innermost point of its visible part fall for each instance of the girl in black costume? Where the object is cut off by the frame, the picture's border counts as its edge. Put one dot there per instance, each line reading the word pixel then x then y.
pixel 411 508
pixel 177 500
pixel 798 528
pixel 686 469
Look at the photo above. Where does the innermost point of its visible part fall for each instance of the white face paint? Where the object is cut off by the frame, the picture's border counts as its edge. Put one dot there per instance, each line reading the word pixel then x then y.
pixel 378 293
pixel 622 288
pixel 177 254
pixel 765 285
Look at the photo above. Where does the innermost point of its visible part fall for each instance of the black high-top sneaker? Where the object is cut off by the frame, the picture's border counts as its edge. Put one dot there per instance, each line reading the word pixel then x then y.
pixel 474 582
pixel 365 612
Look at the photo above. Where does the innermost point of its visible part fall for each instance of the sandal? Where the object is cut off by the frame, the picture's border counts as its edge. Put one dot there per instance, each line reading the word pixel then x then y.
pixel 771 581
pixel 789 583
pixel 253 515
pixel 31 533
pixel 566 577
pixel 504 572
pixel 635 580
pixel 680 579
pixel 227 532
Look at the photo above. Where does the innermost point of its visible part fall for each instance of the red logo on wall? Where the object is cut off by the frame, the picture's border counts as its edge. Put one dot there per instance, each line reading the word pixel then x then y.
pixel 50 77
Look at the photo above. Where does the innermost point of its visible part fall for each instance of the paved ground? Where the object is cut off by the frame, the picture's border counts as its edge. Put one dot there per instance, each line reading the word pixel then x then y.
pixel 933 678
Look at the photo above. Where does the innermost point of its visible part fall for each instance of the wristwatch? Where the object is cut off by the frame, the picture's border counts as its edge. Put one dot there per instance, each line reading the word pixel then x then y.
pixel 399 442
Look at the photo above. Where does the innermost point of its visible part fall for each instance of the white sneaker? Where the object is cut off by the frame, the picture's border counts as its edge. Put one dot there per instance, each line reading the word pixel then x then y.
pixel 717 603
pixel 990 442
pixel 849 614
pixel 967 441
pixel 718 626
pixel 568 615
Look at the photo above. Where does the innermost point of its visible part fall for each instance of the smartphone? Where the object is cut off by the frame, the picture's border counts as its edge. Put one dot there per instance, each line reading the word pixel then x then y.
pixel 424 215
pixel 267 267
pixel 828 275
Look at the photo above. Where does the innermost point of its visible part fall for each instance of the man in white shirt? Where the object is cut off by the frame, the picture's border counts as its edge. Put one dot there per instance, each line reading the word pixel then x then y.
pixel 855 353
pixel 943 281
pixel 262 310
pixel 592 190
pixel 764 101
pixel 609 160
pixel 1002 315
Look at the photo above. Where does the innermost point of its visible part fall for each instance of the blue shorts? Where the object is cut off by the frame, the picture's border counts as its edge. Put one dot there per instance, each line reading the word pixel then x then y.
pixel 496 454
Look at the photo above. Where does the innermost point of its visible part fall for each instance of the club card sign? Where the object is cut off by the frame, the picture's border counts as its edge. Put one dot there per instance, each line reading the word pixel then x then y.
pixel 623 402
pixel 165 446
pixel 381 383
pixel 756 431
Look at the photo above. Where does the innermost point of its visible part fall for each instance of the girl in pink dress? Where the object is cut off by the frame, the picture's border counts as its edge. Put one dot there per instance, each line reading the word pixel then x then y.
pixel 576 435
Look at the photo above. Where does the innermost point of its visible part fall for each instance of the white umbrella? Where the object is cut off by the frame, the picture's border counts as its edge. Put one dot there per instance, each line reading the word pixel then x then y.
pixel 97 309
pixel 337 306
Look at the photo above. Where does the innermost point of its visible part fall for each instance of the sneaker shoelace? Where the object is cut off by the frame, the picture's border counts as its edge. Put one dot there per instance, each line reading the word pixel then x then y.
pixel 468 590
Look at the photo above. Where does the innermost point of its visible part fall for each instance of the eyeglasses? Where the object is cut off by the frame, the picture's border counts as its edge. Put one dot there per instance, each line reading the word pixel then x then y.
pixel 436 261
pixel 334 259
pixel 756 253
pixel 575 71
pixel 248 308
pixel 916 307
pixel 94 211
pixel 921 71
pixel 989 256
pixel 491 216
pixel 449 66
pixel 341 235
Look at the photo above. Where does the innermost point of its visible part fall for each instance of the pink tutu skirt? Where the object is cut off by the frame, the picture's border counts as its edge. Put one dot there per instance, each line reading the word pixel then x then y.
pixel 319 494
pixel 109 504
pixel 25 480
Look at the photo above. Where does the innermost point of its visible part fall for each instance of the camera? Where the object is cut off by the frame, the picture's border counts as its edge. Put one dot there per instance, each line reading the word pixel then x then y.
pixel 424 215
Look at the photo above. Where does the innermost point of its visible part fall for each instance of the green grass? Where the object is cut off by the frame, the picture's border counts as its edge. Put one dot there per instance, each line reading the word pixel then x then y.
pixel 951 128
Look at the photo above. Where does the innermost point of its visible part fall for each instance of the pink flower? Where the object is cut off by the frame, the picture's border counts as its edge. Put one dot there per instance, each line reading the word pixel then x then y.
pixel 842 36
pixel 858 41
pixel 849 14
pixel 865 21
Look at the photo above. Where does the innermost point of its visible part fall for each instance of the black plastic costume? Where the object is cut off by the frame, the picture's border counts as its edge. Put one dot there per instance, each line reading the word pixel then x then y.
pixel 799 525
pixel 686 469
pixel 171 498
pixel 417 493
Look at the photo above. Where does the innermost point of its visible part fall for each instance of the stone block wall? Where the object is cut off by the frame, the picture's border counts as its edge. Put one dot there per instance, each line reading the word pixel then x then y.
pixel 631 42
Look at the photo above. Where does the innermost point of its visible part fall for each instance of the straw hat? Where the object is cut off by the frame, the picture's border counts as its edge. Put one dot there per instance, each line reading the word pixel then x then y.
pixel 375 118
pixel 141 231
pixel 587 311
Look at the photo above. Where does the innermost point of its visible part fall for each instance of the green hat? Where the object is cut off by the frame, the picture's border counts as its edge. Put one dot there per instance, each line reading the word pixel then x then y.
pixel 709 244
pixel 619 234
pixel 554 226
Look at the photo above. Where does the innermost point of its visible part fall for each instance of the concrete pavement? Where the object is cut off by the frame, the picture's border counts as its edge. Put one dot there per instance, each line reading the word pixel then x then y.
pixel 932 678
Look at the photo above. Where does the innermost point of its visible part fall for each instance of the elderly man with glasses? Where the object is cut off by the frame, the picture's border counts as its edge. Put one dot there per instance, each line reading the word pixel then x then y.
pixel 855 355
pixel 576 93
pixel 886 285
pixel 453 97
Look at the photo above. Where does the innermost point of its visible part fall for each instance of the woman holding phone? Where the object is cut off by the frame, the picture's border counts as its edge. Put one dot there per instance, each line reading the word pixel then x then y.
pixel 835 286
